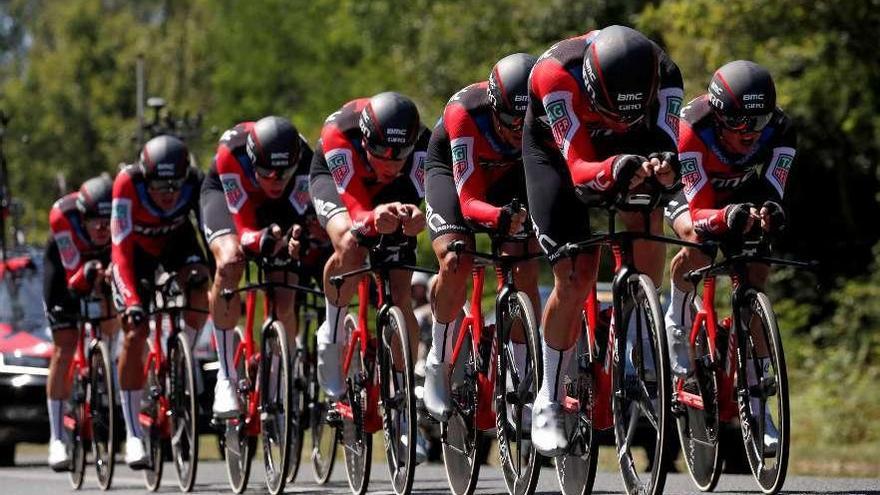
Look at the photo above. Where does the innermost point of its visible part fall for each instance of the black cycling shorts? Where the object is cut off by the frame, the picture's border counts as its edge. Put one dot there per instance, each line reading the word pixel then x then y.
pixel 181 250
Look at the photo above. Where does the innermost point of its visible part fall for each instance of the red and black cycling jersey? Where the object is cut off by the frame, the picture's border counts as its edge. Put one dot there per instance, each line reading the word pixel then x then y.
pixel 710 174
pixel 137 222
pixel 561 114
pixel 232 167
pixel 75 247
pixel 341 151
pixel 465 139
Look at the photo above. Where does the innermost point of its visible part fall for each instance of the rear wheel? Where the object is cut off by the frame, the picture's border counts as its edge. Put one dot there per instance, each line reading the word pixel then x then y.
pixel 699 428
pixel 641 397
pixel 275 405
pixel 239 446
pixel 515 392
pixel 153 441
pixel 184 411
pixel 77 441
pixel 102 401
pixel 356 442
pixel 768 387
pixel 462 441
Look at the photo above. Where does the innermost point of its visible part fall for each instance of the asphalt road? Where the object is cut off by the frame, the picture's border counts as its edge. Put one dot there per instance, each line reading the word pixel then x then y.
pixel 37 479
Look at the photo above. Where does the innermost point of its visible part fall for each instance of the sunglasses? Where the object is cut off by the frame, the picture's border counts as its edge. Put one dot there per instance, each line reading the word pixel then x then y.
pixel 388 152
pixel 510 121
pixel 98 223
pixel 744 124
pixel 280 174
pixel 628 120
pixel 166 185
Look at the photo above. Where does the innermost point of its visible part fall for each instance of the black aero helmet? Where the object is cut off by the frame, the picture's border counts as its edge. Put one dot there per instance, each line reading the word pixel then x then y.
pixel 274 147
pixel 621 73
pixel 390 125
pixel 743 96
pixel 509 88
pixel 95 197
pixel 165 162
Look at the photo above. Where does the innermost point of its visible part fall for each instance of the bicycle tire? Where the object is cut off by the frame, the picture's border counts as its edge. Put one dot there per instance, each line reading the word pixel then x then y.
pixel 699 430
pixel 102 400
pixel 275 407
pixel 324 437
pixel 154 442
pixel 519 476
pixel 76 444
pixel 633 392
pixel 769 477
pixel 357 443
pixel 461 440
pixel 576 469
pixel 184 411
pixel 239 446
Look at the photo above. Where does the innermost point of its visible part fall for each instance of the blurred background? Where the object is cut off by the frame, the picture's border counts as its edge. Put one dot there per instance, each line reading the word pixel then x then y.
pixel 68 81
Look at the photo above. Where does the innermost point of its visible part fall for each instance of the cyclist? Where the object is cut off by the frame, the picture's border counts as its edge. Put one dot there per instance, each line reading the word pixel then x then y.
pixel 255 190
pixel 77 255
pixel 474 171
pixel 150 226
pixel 736 151
pixel 602 117
pixel 373 149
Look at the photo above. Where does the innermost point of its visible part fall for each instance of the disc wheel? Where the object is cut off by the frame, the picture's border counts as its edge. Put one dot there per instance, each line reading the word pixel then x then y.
pixel 357 444
pixel 184 411
pixel 101 396
pixel 276 405
pixel 239 446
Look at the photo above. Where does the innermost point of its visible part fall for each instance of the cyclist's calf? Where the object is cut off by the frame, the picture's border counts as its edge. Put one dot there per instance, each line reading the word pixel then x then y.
pixel 131 366
pixel 450 291
pixel 64 340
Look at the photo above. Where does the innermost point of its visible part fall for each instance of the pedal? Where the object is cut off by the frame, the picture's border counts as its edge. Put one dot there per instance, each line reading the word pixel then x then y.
pixel 333 418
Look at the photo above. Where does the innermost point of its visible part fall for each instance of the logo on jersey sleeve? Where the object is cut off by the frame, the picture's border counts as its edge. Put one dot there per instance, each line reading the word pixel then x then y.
pixel 120 219
pixel 462 160
pixel 417 174
pixel 299 197
pixel 67 249
pixel 234 192
pixel 339 162
pixel 562 119
pixel 780 167
pixel 692 175
pixel 670 110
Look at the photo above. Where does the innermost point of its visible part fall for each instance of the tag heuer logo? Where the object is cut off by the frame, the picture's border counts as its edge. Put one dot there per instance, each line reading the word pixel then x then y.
pixel 560 122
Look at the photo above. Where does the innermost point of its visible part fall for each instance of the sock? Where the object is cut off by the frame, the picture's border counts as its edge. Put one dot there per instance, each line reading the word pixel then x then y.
pixel 191 335
pixel 226 354
pixel 335 321
pixel 679 310
pixel 56 418
pixel 678 327
pixel 442 342
pixel 130 400
pixel 556 364
pixel 647 353
pixel 519 356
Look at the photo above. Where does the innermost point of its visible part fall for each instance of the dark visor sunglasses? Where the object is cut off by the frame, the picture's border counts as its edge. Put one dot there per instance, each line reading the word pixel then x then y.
pixel 166 185
pixel 744 124
pixel 510 121
pixel 281 174
pixel 388 152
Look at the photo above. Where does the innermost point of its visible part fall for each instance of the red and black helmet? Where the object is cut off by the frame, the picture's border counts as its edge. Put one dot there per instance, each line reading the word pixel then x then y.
pixel 509 88
pixel 743 96
pixel 95 197
pixel 621 72
pixel 274 147
pixel 390 126
pixel 165 162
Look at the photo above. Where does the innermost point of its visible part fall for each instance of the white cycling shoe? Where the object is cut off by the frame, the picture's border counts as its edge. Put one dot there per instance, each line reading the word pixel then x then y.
pixel 771 436
pixel 437 400
pixel 135 453
pixel 225 400
pixel 330 370
pixel 421 445
pixel 59 460
pixel 548 429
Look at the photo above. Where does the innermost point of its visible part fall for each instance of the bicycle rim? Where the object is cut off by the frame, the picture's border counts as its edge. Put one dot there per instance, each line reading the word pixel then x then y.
pixel 641 401
pixel 399 420
pixel 357 444
pixel 769 470
pixel 102 399
pixel 184 412
pixel 461 440
pixel 275 406
pixel 76 444
pixel 153 434
pixel 238 445
pixel 576 469
pixel 515 392
pixel 699 428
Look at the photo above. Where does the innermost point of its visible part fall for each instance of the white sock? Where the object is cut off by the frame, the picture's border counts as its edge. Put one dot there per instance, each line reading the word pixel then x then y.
pixel 335 321
pixel 130 400
pixel 556 364
pixel 226 354
pixel 647 354
pixel 519 356
pixel 191 335
pixel 679 310
pixel 56 418
pixel 442 342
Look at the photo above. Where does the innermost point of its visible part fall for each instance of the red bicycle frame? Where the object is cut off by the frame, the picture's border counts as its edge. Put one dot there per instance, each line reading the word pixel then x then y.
pixel 156 360
pixel 80 366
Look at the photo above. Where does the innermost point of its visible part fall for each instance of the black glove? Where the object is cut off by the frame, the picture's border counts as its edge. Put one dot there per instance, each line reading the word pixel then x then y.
pixel 267 241
pixel 135 315
pixel 90 271
pixel 777 216
pixel 672 159
pixel 504 219
pixel 737 216
pixel 624 168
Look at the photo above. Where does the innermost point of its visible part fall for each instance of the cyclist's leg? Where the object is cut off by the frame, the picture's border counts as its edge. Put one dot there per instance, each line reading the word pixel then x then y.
pixel 285 304
pixel 650 257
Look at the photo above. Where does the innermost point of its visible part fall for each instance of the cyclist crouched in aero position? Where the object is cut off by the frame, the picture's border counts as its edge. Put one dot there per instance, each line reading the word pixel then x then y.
pixel 474 163
pixel 602 117
pixel 255 191
pixel 150 226
pixel 77 255
pixel 370 163
pixel 736 151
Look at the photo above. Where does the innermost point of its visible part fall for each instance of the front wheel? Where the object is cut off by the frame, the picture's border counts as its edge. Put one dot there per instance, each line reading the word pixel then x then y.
pixel 299 401
pixel 77 419
pixel 641 398
pixel 396 381
pixel 101 396
pixel 357 443
pixel 323 435
pixel 239 445
pixel 153 441
pixel 516 386
pixel 275 405
pixel 762 390
pixel 184 411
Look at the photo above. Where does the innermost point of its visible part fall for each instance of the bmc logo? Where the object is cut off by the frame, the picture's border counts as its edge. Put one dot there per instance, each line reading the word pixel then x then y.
pixel 630 96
